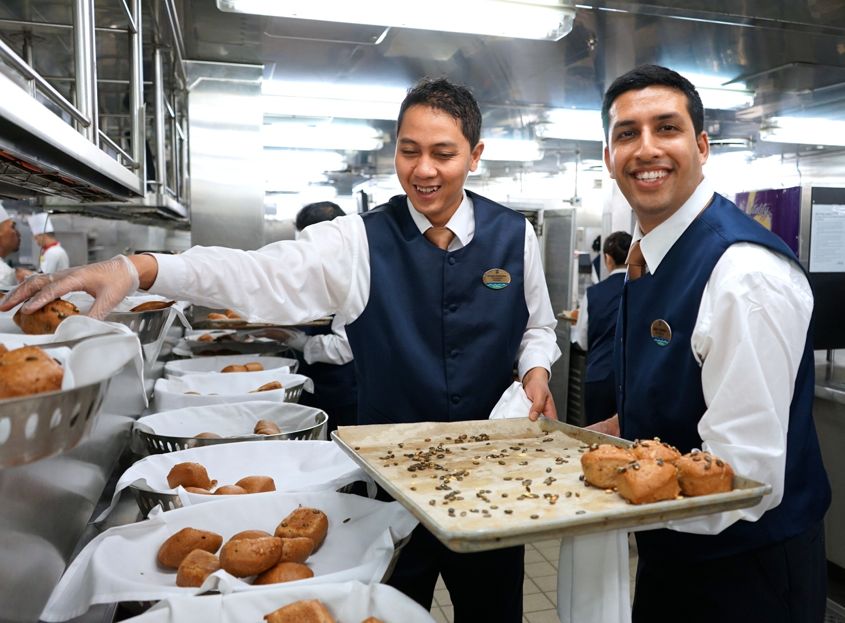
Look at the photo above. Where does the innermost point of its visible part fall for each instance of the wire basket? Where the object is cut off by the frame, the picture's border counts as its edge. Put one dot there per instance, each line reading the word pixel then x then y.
pixel 159 444
pixel 38 426
pixel 150 326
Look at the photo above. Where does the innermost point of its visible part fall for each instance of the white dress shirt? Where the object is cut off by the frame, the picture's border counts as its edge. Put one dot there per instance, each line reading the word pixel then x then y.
pixel 7 275
pixel 579 333
pixel 54 259
pixel 331 348
pixel 748 339
pixel 327 271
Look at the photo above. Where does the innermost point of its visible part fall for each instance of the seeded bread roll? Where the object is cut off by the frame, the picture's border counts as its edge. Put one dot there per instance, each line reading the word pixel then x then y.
pixel 701 473
pixel 46 319
pixel 173 551
pixel 655 449
pixel 266 427
pixel 305 611
pixel 296 549
pixel 257 484
pixel 599 464
pixel 152 306
pixel 189 475
pixel 250 534
pixel 196 567
pixel 28 370
pixel 245 557
pixel 307 522
pixel 284 572
pixel 648 480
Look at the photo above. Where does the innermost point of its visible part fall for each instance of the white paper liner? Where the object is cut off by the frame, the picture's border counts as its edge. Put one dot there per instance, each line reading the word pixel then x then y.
pixel 120 564
pixel 349 602
pixel 173 369
pixel 235 419
pixel 294 465
pixel 223 388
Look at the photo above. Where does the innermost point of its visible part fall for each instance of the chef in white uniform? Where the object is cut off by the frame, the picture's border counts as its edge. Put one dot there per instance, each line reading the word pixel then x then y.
pixel 10 241
pixel 53 257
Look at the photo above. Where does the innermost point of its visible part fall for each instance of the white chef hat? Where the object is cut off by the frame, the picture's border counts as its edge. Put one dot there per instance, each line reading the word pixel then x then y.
pixel 40 223
pixel 4 216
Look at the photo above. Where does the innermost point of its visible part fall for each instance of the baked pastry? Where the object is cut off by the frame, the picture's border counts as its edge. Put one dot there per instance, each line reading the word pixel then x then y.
pixel 174 550
pixel 307 522
pixel 230 490
pixel 46 319
pixel 206 337
pixel 28 370
pixel 245 557
pixel 196 567
pixel 231 314
pixel 152 306
pixel 600 464
pixel 252 366
pixel 256 484
pixel 296 549
pixel 207 435
pixel 250 534
pixel 655 449
pixel 199 490
pixel 305 611
pixel 268 387
pixel 648 480
pixel 266 427
pixel 284 572
pixel 701 473
pixel 375 620
pixel 217 316
pixel 189 475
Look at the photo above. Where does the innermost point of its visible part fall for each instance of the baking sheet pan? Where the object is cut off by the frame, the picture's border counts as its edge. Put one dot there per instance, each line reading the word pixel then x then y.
pixel 487 484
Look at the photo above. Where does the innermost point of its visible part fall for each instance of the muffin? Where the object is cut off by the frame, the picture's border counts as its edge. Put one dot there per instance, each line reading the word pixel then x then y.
pixel 648 480
pixel 600 463
pixel 28 370
pixel 701 473
pixel 46 319
pixel 655 449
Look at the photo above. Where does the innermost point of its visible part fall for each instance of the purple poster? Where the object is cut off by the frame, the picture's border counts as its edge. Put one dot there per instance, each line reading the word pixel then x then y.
pixel 778 210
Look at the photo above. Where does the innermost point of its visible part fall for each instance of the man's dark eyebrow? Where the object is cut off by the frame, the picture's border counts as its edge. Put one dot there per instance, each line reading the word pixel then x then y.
pixel 626 123
pixel 409 141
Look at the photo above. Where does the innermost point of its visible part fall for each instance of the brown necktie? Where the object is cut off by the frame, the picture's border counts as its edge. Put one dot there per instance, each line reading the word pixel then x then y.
pixel 635 262
pixel 440 237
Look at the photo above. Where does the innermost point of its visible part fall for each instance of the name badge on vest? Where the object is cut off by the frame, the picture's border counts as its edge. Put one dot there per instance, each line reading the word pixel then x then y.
pixel 496 278
pixel 661 332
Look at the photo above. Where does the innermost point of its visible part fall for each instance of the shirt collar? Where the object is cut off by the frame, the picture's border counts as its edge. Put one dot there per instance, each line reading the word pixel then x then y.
pixel 656 243
pixel 462 222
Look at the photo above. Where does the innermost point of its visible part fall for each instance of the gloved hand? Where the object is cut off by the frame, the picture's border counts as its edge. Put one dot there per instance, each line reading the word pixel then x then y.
pixel 295 339
pixel 108 282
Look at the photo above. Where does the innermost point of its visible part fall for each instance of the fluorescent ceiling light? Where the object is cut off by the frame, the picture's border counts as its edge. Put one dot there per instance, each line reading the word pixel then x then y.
pixel 324 99
pixel 319 134
pixel 522 19
pixel 718 95
pixel 510 149
pixel 804 131
pixel 571 124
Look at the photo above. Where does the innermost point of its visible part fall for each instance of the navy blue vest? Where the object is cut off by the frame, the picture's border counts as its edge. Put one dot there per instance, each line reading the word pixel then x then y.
pixel 602 309
pixel 334 386
pixel 660 394
pixel 434 343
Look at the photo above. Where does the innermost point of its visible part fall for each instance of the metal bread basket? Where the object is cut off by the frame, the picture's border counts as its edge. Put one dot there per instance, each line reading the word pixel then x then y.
pixel 150 326
pixel 159 444
pixel 41 425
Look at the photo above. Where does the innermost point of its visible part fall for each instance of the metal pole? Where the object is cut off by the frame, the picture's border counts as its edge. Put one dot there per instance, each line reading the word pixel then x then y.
pixel 136 97
pixel 158 87
pixel 85 58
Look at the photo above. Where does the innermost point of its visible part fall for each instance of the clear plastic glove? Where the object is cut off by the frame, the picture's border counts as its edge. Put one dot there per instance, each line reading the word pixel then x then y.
pixel 109 282
pixel 295 339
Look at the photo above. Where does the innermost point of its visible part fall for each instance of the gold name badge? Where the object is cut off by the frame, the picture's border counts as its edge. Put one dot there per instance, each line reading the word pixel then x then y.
pixel 661 332
pixel 496 278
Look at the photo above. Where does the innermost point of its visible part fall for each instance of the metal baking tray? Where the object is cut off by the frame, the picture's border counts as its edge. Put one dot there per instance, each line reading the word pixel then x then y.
pixel 487 484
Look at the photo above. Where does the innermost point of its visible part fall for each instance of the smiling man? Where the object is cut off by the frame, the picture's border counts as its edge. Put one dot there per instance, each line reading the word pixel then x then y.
pixel 713 352
pixel 442 293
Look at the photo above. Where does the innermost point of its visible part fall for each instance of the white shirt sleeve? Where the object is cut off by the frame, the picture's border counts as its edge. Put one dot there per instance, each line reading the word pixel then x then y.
pixel 579 331
pixel 55 259
pixel 333 348
pixel 326 271
pixel 538 347
pixel 749 339
pixel 7 275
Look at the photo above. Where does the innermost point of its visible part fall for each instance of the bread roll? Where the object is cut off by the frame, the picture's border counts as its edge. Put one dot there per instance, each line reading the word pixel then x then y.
pixel 152 306
pixel 266 427
pixel 189 475
pixel 256 484
pixel 375 620
pixel 235 367
pixel 245 557
pixel 284 572
pixel 230 490
pixel 206 337
pixel 655 449
pixel 308 522
pixel 254 366
pixel 173 551
pixel 648 480
pixel 268 387
pixel 701 473
pixel 600 463
pixel 207 435
pixel 296 549
pixel 250 534
pixel 217 316
pixel 199 490
pixel 46 319
pixel 305 611
pixel 231 314
pixel 28 370
pixel 196 567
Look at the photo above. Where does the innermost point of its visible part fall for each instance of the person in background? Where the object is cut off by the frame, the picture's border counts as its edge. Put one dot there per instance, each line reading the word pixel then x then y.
pixel 442 290
pixel 713 352
pixel 596 327
pixel 324 352
pixel 10 241
pixel 53 257
pixel 595 274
